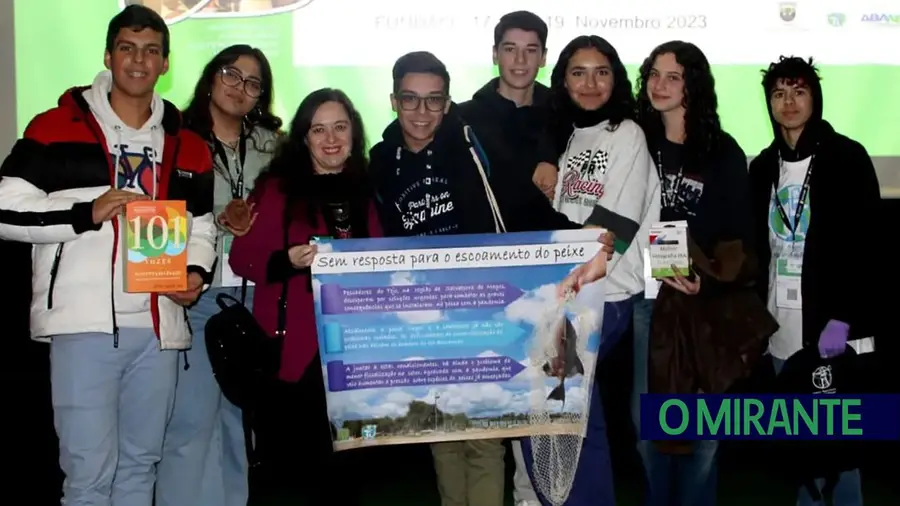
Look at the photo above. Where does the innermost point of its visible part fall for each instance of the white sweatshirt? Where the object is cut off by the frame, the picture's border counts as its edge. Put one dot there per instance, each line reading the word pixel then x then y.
pixel 608 179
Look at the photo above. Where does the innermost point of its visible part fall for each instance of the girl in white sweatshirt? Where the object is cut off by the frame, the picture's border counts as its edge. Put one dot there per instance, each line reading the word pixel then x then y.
pixel 607 179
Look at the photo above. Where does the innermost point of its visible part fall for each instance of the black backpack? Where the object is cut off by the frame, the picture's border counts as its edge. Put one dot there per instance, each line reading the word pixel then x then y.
pixel 244 358
pixel 807 373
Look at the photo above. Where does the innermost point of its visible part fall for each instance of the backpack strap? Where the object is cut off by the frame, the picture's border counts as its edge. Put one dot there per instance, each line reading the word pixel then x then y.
pixel 484 167
pixel 813 489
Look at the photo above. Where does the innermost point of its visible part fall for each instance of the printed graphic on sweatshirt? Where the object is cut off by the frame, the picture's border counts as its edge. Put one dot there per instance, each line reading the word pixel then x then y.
pixel 581 181
pixel 135 170
pixel 687 194
pixel 426 207
pixel 786 240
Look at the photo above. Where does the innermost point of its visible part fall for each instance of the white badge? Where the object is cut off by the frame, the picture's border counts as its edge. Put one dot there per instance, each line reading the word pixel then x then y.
pixel 651 285
pixel 787 283
pixel 229 278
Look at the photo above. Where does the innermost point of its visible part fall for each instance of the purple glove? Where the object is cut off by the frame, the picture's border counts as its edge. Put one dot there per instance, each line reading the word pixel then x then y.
pixel 833 340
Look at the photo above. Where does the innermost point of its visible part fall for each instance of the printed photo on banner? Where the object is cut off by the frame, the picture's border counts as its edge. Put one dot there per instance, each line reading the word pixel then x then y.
pixel 172 11
pixel 447 338
pixel 248 8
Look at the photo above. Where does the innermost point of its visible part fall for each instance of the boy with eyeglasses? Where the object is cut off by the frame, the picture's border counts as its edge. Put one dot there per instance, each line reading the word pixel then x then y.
pixel 430 177
pixel 428 155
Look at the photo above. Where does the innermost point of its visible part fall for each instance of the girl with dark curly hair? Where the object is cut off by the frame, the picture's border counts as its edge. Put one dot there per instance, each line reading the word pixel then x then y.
pixel 703 174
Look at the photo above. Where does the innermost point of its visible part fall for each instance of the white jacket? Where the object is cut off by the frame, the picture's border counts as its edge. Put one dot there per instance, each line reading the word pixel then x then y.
pixel 48 183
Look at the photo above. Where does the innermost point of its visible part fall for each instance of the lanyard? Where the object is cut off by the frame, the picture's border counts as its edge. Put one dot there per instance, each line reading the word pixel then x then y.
pixel 236 184
pixel 801 200
pixel 669 191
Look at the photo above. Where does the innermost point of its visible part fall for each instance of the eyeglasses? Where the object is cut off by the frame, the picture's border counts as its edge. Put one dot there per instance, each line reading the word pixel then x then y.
pixel 412 102
pixel 231 78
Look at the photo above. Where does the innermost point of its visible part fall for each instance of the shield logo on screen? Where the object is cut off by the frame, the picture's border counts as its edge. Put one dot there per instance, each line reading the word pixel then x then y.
pixel 788 11
pixel 249 8
pixel 837 19
pixel 172 11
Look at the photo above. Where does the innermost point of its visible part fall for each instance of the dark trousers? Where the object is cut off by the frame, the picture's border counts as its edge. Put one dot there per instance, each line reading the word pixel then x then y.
pixel 294 442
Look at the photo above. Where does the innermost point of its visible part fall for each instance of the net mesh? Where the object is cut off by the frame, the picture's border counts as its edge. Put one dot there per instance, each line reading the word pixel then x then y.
pixel 556 456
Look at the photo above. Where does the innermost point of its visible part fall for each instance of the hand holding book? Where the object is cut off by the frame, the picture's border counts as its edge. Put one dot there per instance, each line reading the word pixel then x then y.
pixel 112 203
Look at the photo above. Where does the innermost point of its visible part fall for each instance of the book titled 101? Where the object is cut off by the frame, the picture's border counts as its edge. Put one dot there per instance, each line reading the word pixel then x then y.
pixel 158 241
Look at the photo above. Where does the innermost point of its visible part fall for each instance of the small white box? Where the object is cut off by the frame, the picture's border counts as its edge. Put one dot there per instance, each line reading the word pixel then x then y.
pixel 668 247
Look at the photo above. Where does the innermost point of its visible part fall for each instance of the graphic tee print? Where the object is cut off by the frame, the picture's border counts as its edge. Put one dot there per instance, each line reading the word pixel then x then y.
pixel 680 201
pixel 426 207
pixel 787 245
pixel 135 170
pixel 680 188
pixel 581 181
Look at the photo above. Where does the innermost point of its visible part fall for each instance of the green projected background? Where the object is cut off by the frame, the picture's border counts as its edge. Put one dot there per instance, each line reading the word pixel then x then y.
pixel 350 44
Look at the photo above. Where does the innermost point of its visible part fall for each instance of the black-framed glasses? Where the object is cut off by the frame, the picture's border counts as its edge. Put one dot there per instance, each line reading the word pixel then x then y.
pixel 233 79
pixel 412 102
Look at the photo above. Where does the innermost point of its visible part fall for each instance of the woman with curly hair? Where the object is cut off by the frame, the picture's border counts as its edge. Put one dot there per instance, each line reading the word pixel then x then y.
pixel 703 175
pixel 204 460
pixel 607 180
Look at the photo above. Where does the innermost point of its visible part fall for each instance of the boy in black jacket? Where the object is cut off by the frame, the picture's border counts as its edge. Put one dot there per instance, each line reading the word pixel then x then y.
pixel 431 175
pixel 510 112
pixel 811 188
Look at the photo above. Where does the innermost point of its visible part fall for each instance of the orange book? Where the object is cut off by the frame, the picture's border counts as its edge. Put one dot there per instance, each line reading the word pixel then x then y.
pixel 155 243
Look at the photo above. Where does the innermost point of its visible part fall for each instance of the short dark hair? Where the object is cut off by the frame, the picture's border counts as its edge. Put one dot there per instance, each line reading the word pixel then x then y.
pixel 792 70
pixel 137 17
pixel 420 62
pixel 526 21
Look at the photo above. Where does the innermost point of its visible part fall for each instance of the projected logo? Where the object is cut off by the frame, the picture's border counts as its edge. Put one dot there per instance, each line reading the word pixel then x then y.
pixel 837 19
pixel 787 11
pixel 248 8
pixel 173 11
pixel 881 19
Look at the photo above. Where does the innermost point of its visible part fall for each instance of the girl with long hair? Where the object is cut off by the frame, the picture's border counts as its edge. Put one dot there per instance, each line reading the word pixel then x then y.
pixel 205 462
pixel 316 186
pixel 704 181
pixel 606 180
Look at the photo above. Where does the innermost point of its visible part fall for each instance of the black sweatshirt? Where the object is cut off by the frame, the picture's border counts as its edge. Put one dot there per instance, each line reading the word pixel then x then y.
pixel 841 257
pixel 514 138
pixel 401 179
pixel 713 196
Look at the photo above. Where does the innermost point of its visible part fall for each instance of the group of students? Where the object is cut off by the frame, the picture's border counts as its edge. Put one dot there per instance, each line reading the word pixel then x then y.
pixel 138 412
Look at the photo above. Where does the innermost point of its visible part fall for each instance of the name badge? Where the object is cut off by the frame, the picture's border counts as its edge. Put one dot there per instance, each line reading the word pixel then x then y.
pixel 651 284
pixel 787 283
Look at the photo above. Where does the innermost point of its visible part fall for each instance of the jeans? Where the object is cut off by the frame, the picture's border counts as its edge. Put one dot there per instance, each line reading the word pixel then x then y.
pixel 204 458
pixel 847 491
pixel 110 408
pixel 694 476
pixel 593 483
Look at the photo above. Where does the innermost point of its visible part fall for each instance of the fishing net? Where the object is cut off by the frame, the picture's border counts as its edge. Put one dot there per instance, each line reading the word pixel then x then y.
pixel 556 455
